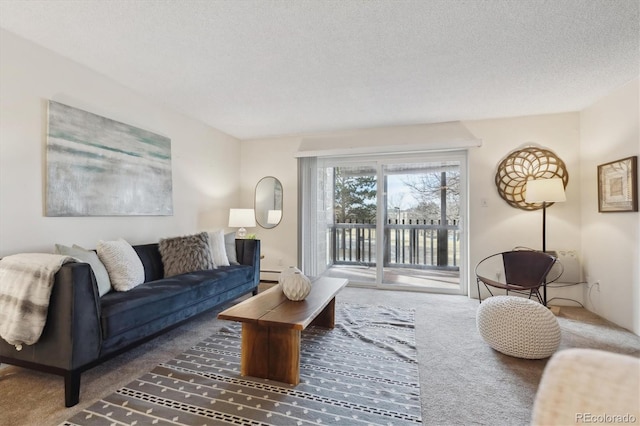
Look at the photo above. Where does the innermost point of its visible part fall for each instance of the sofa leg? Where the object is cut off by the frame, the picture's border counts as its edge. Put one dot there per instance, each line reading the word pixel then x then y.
pixel 255 291
pixel 71 388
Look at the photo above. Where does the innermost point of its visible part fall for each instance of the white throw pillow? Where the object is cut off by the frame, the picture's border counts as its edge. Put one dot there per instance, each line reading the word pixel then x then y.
pixel 218 249
pixel 90 257
pixel 123 264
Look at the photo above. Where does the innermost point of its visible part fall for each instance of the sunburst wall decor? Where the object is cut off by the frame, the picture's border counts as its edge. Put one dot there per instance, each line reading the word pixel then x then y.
pixel 524 164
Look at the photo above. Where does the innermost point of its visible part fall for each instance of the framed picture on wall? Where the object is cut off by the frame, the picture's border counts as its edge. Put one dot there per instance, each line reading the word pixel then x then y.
pixel 618 186
pixel 101 167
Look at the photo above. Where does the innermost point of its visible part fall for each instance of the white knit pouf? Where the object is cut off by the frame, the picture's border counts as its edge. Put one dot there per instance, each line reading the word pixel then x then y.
pixel 518 327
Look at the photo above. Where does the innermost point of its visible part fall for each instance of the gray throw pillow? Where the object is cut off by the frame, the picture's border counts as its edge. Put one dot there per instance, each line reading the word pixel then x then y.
pixel 90 257
pixel 185 254
pixel 230 245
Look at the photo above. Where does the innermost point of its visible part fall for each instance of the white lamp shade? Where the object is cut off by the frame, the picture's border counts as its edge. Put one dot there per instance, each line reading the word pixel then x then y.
pixel 239 218
pixel 274 216
pixel 544 190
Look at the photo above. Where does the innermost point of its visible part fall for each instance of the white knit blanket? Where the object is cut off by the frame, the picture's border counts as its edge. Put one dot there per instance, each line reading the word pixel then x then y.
pixel 25 287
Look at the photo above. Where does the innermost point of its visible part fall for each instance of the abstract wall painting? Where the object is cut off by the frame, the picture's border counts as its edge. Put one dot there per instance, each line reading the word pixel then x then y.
pixel 100 167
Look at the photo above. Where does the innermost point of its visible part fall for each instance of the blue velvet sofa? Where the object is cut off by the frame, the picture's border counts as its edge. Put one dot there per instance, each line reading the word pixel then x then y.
pixel 84 329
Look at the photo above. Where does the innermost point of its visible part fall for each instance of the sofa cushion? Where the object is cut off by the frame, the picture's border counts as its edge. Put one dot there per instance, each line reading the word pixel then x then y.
pixel 123 264
pixel 156 299
pixel 151 261
pixel 185 254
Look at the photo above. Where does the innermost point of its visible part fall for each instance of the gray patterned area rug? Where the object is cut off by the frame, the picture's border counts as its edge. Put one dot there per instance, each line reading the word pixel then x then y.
pixel 362 372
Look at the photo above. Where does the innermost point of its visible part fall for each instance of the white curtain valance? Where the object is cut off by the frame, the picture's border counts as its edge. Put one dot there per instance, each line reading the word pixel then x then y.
pixel 397 140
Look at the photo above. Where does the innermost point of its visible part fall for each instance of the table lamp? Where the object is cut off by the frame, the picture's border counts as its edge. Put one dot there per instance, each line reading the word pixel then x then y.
pixel 239 218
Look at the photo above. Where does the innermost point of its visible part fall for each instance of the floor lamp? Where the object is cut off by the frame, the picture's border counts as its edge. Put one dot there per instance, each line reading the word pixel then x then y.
pixel 544 191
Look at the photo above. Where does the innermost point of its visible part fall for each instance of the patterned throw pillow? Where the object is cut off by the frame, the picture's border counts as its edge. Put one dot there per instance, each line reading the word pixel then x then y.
pixel 123 264
pixel 185 254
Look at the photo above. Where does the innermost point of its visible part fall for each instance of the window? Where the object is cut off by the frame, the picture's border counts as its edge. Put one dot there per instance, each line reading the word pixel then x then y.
pixel 392 222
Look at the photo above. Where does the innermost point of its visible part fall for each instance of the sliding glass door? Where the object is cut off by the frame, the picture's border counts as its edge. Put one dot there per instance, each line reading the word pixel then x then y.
pixel 387 222
pixel 352 235
pixel 422 224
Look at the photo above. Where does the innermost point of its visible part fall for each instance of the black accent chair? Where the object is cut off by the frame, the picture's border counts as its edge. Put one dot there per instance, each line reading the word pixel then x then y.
pixel 525 271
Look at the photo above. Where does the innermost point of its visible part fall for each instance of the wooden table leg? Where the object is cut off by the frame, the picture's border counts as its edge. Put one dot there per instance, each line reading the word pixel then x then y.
pixel 254 360
pixel 326 318
pixel 284 355
pixel 270 353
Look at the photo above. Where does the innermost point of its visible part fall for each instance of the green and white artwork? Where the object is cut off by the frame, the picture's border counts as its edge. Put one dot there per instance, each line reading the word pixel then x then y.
pixel 100 167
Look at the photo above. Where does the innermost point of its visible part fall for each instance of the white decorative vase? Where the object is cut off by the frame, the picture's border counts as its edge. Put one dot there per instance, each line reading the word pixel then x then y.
pixel 295 285
pixel 289 271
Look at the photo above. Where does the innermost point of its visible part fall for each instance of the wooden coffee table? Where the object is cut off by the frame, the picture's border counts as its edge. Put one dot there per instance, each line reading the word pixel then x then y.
pixel 271 327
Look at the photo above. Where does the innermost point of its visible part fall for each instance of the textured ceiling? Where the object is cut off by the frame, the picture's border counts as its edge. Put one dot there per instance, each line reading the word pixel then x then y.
pixel 264 68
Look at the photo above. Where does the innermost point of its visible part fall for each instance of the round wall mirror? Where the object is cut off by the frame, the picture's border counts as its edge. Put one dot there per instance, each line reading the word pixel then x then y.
pixel 268 202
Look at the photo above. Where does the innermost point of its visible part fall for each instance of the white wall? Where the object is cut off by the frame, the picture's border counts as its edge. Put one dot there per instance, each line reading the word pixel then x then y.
pixel 611 241
pixel 500 227
pixel 495 228
pixel 205 162
pixel 273 157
